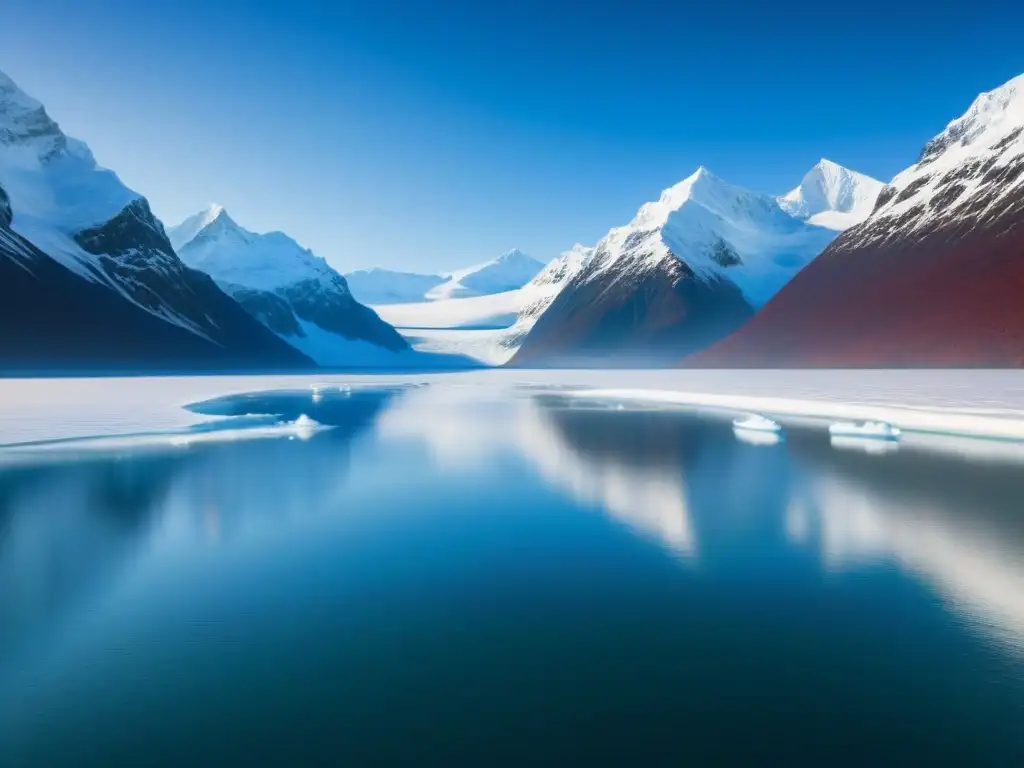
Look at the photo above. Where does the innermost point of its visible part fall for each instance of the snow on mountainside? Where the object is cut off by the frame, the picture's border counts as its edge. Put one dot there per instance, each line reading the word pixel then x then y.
pixel 233 254
pixel 832 196
pixel 289 289
pixel 540 292
pixel 933 277
pixel 385 286
pixel 508 272
pixel 487 328
pixel 688 269
pixel 65 208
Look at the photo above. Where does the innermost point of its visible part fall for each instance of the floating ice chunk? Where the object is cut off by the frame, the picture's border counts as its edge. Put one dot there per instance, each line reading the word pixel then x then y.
pixel 754 437
pixel 756 423
pixel 872 430
pixel 870 445
pixel 305 427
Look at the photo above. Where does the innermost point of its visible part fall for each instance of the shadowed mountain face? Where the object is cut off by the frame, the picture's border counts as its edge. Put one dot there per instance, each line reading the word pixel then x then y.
pixel 638 318
pixel 91 280
pixel 294 293
pixel 690 268
pixel 932 279
pixel 887 294
pixel 55 320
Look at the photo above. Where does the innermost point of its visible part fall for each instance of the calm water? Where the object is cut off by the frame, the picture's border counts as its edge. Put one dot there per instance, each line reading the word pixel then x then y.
pixel 446 579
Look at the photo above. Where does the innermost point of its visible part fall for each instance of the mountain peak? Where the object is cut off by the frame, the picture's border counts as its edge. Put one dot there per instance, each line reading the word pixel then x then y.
pixel 218 215
pixel 832 196
pixel 514 255
pixel 24 122
pixel 212 242
pixel 992 116
pixel 701 186
pixel 190 228
pixel 212 211
pixel 12 96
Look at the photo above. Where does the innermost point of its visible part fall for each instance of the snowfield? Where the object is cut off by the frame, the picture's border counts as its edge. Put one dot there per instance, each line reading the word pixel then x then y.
pixel 963 403
pixel 490 328
pixel 496 311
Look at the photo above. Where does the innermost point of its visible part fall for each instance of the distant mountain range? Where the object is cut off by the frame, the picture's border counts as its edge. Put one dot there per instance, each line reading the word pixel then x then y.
pixel 690 268
pixel 508 272
pixel 842 270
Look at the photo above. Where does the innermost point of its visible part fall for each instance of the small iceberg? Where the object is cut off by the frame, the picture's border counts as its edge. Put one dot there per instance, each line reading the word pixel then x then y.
pixel 304 427
pixel 753 437
pixel 869 445
pixel 756 423
pixel 866 430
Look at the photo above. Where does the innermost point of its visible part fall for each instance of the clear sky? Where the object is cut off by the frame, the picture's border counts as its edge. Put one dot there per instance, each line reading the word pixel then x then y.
pixel 425 134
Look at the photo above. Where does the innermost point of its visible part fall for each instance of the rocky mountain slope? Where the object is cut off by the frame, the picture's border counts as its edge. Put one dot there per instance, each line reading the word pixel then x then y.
pixel 933 278
pixel 289 289
pixel 91 280
pixel 686 271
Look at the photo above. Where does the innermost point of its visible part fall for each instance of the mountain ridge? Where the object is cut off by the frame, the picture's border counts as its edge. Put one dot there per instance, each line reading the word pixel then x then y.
pixel 111 263
pixel 288 288
pixel 932 278
pixel 688 268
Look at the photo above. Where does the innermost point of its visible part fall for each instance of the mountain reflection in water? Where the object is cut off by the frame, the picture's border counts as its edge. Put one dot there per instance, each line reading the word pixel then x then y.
pixel 444 576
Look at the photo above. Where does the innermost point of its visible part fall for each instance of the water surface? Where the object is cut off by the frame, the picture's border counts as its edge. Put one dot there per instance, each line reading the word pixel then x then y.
pixel 440 577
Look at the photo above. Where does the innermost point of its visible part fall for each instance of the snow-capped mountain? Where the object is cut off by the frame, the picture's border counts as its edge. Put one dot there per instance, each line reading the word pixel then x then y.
pixel 489 327
pixel 687 270
pixel 933 278
pixel 540 292
pixel 508 272
pixel 385 286
pixel 91 279
pixel 832 196
pixel 289 289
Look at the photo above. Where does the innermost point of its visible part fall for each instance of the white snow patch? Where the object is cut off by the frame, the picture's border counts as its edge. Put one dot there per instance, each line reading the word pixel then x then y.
pixel 989 136
pixel 509 271
pixel 232 254
pixel 48 175
pixel 489 328
pixel 832 196
pixel 333 350
pixel 907 419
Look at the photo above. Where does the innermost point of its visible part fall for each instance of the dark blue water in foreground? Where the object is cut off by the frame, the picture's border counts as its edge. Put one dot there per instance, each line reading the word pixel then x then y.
pixel 440 580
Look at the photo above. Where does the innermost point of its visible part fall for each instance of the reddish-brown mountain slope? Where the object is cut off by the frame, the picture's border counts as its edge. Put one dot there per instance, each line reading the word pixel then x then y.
pixel 934 278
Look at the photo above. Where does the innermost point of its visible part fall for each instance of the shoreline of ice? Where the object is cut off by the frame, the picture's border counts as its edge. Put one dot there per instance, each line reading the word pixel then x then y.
pixel 988 404
pixel 914 418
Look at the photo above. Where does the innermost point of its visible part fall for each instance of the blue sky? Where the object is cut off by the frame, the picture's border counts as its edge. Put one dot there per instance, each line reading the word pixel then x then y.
pixel 426 135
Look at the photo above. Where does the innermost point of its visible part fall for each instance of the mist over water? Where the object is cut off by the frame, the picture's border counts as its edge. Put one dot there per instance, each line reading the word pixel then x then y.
pixel 443 576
